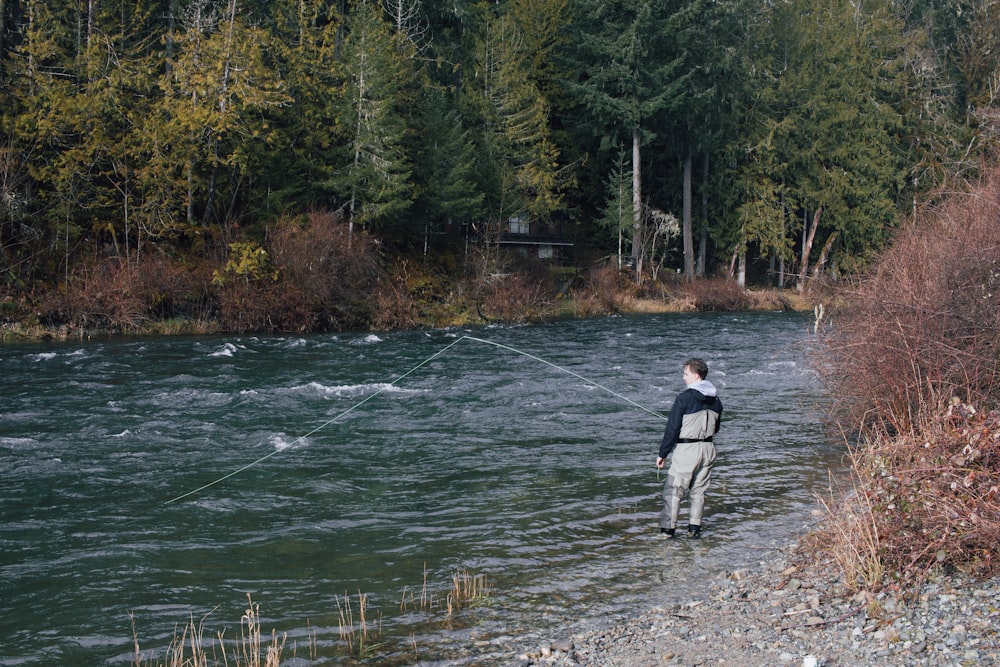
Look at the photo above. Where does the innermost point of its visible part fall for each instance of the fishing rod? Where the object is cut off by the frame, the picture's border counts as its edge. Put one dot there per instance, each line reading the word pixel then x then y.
pixel 392 384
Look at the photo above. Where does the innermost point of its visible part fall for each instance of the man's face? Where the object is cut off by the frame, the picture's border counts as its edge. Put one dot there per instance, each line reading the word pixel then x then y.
pixel 690 376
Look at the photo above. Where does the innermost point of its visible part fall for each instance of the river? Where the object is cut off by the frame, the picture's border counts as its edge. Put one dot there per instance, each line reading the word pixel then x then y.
pixel 148 481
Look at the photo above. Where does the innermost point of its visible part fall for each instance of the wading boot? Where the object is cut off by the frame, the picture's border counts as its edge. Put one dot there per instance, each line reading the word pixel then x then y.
pixel 694 532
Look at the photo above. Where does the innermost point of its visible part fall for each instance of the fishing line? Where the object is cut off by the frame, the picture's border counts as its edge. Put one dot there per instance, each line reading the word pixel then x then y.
pixel 392 384
pixel 564 370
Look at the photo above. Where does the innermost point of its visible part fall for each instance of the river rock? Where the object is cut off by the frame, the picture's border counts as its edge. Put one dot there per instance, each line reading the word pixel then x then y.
pixel 949 621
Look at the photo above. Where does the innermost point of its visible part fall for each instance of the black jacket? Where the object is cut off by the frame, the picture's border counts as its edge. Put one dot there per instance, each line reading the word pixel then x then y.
pixel 694 417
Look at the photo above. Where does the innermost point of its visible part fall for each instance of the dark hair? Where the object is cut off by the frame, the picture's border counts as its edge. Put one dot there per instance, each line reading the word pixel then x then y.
pixel 699 367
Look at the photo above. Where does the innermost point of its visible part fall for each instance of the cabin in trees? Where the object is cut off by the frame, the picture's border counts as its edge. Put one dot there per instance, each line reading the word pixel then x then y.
pixel 535 239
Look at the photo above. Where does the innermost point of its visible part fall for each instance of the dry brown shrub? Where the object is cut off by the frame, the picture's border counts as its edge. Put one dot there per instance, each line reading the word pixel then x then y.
pixel 333 269
pixel 928 501
pixel 606 290
pixel 122 296
pixel 513 297
pixel 925 324
pixel 264 306
pixel 915 345
pixel 716 294
pixel 395 303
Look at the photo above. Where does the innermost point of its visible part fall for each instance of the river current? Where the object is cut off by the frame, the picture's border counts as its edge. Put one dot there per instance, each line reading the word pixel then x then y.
pixel 146 482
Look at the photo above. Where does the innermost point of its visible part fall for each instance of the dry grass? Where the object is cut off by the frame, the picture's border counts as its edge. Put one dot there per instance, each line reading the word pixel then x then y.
pixel 189 648
pixel 467 589
pixel 850 534
pixel 360 633
pixel 359 637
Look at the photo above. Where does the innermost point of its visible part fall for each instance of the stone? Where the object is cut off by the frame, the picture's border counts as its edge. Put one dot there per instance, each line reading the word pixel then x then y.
pixel 562 645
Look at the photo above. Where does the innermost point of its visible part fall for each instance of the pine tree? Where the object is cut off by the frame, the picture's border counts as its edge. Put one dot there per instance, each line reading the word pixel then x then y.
pixel 515 115
pixel 309 142
pixel 629 76
pixel 217 92
pixel 446 167
pixel 376 182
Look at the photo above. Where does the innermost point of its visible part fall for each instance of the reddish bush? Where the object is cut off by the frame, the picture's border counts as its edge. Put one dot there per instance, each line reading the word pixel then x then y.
pixel 914 361
pixel 332 268
pixel 925 325
pixel 934 498
pixel 514 297
pixel 716 294
pixel 121 296
pixel 606 290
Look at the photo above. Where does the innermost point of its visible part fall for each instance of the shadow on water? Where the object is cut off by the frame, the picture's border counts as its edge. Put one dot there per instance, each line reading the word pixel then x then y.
pixel 481 461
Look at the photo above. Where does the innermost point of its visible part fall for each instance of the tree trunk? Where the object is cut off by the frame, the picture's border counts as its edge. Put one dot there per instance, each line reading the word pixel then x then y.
pixel 806 248
pixel 686 232
pixel 636 205
pixel 703 235
pixel 821 262
pixel 3 33
pixel 784 217
pixel 169 43
pixel 90 23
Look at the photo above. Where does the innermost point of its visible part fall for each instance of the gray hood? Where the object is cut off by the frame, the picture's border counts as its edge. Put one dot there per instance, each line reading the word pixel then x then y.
pixel 703 387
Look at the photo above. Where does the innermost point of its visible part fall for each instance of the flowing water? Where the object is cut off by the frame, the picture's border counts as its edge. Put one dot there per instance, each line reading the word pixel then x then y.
pixel 382 466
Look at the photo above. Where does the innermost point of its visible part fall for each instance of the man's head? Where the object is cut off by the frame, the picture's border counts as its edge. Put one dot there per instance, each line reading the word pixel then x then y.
pixel 694 370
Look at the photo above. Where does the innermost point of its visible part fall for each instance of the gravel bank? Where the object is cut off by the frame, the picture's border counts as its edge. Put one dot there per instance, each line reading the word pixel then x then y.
pixel 786 608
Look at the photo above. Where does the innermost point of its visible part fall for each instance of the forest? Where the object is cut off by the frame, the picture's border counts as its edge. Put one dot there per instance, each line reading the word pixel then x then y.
pixel 324 164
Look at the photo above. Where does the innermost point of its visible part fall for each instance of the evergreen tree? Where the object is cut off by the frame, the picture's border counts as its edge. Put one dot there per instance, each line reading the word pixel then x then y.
pixel 827 142
pixel 376 179
pixel 629 76
pixel 520 153
pixel 445 167
pixel 617 213
pixel 309 144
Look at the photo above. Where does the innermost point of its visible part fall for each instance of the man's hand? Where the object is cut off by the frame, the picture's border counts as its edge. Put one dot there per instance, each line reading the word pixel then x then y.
pixel 660 461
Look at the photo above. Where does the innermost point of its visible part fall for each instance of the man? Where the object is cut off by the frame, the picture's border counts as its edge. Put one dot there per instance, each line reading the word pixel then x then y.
pixel 694 420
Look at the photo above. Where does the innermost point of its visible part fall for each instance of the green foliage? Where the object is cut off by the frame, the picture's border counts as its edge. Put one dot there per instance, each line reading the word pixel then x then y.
pixel 519 157
pixel 629 70
pixel 445 163
pixel 376 178
pixel 617 212
pixel 164 126
pixel 247 261
pixel 825 132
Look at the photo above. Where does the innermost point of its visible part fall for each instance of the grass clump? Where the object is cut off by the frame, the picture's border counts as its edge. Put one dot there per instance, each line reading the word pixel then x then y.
pixel 190 648
pixel 360 631
pixel 360 637
pixel 467 589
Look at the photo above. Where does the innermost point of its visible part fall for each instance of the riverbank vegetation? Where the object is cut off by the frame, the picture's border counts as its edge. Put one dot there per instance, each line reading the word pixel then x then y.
pixel 242 165
pixel 360 634
pixel 312 274
pixel 914 361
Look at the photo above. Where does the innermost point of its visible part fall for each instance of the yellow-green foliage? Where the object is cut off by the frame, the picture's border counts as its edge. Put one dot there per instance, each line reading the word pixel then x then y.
pixel 248 261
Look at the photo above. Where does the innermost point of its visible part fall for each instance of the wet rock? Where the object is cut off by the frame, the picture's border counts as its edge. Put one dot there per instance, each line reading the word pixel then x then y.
pixel 562 645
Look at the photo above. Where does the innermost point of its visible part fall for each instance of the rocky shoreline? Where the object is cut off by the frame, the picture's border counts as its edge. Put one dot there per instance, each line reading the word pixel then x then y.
pixel 794 609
